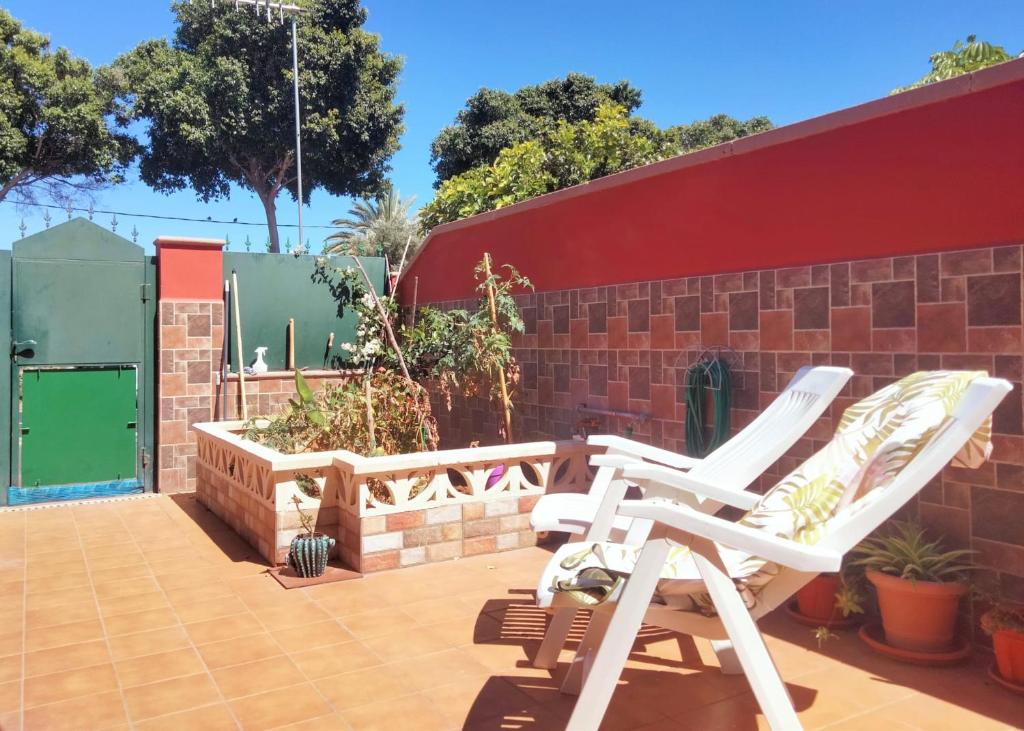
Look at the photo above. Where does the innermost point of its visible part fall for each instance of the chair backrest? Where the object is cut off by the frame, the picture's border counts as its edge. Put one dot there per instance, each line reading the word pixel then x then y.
pixel 878 439
pixel 742 459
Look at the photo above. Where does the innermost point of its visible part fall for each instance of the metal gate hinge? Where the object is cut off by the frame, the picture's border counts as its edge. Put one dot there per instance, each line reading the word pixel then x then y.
pixel 144 292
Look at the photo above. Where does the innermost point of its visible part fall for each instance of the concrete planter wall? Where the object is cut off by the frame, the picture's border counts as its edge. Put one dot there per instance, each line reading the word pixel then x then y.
pixel 429 506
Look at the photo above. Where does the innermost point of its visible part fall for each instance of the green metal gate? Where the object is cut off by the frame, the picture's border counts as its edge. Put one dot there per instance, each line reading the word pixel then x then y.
pixel 82 311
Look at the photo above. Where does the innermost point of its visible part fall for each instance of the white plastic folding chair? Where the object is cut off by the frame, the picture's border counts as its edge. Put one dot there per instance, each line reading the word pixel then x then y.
pixel 732 467
pixel 704 576
pixel 735 464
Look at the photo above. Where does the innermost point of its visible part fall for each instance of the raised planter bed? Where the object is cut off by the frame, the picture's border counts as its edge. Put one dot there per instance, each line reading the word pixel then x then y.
pixel 385 512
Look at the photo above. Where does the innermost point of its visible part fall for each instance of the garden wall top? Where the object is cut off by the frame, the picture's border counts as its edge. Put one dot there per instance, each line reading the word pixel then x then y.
pixel 932 169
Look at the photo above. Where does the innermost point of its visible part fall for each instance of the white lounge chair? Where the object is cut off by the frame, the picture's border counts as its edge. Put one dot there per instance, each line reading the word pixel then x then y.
pixel 704 576
pixel 732 468
pixel 734 465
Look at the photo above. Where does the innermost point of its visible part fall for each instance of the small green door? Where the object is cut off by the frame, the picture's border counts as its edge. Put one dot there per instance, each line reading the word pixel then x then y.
pixel 78 425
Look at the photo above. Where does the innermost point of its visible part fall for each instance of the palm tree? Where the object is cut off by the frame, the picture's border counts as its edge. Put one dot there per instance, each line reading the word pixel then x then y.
pixel 378 226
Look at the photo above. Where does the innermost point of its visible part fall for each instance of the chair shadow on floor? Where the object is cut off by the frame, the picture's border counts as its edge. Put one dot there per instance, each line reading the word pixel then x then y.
pixel 666 676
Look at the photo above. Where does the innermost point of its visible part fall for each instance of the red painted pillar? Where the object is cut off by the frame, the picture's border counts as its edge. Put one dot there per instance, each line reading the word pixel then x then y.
pixel 189 340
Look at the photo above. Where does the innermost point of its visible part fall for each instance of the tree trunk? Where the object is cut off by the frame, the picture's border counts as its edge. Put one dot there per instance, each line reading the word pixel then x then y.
pixel 270 206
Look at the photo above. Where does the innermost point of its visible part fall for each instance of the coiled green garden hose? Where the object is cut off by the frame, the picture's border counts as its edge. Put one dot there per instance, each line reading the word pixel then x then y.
pixel 715 374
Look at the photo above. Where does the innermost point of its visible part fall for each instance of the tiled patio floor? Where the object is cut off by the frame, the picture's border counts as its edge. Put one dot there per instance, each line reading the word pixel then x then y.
pixel 150 614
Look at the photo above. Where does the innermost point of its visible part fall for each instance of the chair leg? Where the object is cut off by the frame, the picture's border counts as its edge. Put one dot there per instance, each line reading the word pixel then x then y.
pixel 746 640
pixel 727 659
pixel 554 638
pixel 610 658
pixel 580 664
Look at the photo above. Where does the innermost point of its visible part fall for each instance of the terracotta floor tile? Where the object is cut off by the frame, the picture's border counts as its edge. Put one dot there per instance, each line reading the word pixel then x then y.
pixel 407 643
pixel 12 643
pixel 279 707
pixel 439 668
pixel 199 611
pixel 309 636
pixel 223 628
pixel 148 619
pixel 170 696
pixel 334 659
pixel 10 668
pixel 111 606
pixel 121 573
pixel 56 597
pixel 101 711
pixel 66 657
pixel 62 686
pixel 305 613
pixel 411 712
pixel 373 624
pixel 348 690
pixel 81 610
pixel 208 718
pixel 192 594
pixel 41 638
pixel 257 677
pixel 239 650
pixel 10 696
pixel 331 722
pixel 40 582
pixel 126 587
pixel 160 666
pixel 165 639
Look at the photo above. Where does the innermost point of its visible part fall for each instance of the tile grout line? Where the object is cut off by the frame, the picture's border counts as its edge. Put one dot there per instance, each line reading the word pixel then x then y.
pixel 24 623
pixel 192 644
pixel 99 613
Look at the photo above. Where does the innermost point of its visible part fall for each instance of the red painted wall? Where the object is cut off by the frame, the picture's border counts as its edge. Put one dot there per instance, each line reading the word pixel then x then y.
pixel 927 171
pixel 190 269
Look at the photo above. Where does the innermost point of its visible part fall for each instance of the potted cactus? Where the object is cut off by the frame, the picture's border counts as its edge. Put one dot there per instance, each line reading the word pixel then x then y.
pixel 919 586
pixel 1004 623
pixel 309 550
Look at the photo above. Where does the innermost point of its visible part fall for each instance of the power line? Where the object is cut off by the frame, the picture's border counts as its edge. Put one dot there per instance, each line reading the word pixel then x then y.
pixel 235 222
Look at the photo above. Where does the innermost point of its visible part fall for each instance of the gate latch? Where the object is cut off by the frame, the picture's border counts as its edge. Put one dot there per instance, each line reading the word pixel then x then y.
pixel 23 347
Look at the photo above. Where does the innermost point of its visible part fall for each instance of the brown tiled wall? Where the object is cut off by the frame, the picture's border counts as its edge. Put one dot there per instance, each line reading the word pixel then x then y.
pixel 626 347
pixel 189 339
pixel 267 394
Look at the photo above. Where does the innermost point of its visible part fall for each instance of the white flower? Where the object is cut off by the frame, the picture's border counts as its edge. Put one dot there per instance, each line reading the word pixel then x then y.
pixel 348 346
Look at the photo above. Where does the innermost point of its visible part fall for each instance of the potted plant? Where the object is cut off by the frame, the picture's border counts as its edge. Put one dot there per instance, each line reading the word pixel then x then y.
pixel 1004 623
pixel 829 599
pixel 919 586
pixel 309 550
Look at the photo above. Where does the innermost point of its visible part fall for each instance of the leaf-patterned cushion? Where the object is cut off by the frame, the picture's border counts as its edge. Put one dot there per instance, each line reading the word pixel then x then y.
pixel 875 439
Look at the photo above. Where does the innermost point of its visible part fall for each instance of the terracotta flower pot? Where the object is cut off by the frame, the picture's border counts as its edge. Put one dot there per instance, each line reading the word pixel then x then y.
pixel 917 615
pixel 1009 647
pixel 817 600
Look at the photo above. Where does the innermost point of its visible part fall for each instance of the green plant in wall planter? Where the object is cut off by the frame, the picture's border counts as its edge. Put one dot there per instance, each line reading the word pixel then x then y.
pixel 919 585
pixel 309 550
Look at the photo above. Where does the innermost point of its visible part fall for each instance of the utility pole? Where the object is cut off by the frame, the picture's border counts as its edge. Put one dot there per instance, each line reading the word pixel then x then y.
pixel 282 10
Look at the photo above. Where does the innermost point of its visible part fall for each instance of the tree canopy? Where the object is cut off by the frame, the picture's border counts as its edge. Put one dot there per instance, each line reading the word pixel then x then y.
pixel 568 154
pixel 55 139
pixel 493 120
pixel 377 226
pixel 220 109
pixel 962 58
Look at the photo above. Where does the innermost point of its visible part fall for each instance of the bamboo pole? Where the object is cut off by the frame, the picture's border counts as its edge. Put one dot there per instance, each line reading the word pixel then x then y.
pixel 506 405
pixel 389 333
pixel 238 342
pixel 291 344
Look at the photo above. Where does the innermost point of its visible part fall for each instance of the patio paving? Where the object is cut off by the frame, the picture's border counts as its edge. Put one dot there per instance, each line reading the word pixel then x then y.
pixel 150 613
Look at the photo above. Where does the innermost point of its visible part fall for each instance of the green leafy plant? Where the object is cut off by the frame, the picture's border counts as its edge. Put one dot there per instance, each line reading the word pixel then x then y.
pixel 962 58
pixel 822 635
pixel 907 553
pixel 1003 616
pixel 850 598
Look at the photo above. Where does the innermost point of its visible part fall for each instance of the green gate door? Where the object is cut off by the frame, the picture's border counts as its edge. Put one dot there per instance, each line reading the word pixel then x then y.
pixel 81 381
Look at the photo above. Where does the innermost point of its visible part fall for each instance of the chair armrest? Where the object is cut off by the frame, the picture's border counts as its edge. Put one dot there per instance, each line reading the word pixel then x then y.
pixel 798 556
pixel 643 451
pixel 619 461
pixel 682 481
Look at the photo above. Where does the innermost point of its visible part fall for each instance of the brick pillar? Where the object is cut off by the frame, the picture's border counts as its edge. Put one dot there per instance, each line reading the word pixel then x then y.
pixel 189 340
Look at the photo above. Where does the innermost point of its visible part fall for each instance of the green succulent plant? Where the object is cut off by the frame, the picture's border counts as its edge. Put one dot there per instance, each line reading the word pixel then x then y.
pixel 906 552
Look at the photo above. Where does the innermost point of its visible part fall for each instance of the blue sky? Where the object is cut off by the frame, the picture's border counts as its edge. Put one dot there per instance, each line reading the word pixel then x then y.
pixel 788 60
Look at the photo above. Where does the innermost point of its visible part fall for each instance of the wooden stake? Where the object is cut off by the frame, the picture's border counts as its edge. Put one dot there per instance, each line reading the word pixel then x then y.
pixel 392 340
pixel 291 344
pixel 506 405
pixel 238 342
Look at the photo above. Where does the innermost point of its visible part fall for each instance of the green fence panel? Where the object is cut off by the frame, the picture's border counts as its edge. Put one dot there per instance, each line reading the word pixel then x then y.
pixel 274 288
pixel 5 373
